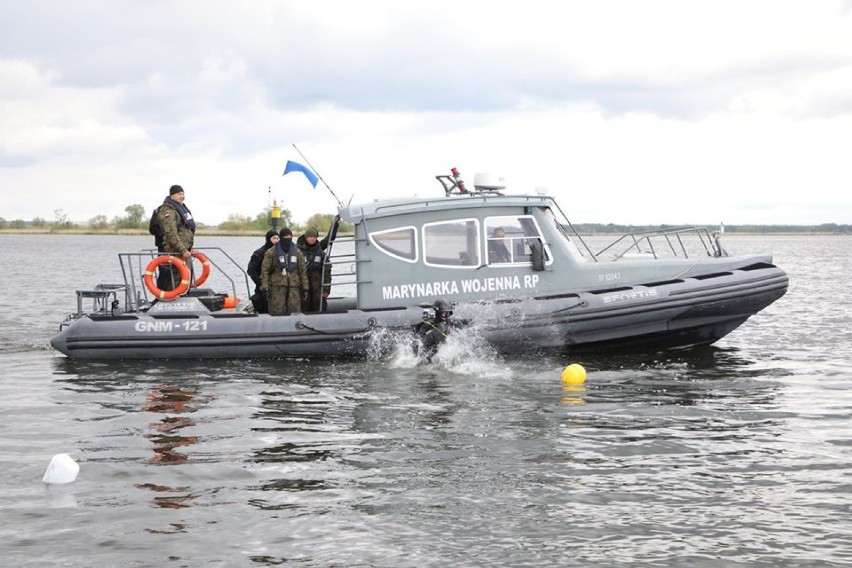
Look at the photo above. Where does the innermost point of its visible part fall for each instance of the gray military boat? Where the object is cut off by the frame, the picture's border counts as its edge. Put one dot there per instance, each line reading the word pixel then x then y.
pixel 517 272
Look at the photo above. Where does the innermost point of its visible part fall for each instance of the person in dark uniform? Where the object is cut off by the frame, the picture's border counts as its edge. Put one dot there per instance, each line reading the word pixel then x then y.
pixel 284 276
pixel 178 231
pixel 314 259
pixel 433 331
pixel 497 251
pixel 258 299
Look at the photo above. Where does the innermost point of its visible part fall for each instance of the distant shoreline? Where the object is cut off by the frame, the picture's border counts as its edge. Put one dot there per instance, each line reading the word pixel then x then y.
pixel 212 232
pixel 122 232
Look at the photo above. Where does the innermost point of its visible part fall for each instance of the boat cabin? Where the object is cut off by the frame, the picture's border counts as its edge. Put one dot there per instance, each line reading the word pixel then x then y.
pixel 462 248
pixel 484 246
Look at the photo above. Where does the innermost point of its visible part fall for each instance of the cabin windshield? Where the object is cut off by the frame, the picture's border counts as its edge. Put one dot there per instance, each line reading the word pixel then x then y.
pixel 561 225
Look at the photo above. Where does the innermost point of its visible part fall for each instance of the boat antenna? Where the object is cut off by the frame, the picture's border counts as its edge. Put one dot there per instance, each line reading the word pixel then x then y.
pixel 339 203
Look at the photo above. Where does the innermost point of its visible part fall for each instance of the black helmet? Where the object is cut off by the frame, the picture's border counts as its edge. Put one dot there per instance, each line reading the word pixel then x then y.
pixel 441 305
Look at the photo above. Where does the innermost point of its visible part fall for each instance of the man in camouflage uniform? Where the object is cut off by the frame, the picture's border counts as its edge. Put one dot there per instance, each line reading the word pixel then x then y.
pixel 178 230
pixel 284 276
pixel 314 259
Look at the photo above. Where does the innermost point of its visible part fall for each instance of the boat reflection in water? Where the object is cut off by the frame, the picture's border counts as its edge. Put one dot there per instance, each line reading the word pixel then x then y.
pixel 176 404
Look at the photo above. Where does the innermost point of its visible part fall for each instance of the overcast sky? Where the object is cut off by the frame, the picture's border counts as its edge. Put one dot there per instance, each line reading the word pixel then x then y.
pixel 628 111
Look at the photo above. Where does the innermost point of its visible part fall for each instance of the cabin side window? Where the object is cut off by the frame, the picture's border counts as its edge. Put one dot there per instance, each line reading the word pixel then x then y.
pixel 509 239
pixel 400 243
pixel 452 243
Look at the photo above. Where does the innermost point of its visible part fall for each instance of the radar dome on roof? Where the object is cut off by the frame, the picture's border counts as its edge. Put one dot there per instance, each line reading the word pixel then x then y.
pixel 488 182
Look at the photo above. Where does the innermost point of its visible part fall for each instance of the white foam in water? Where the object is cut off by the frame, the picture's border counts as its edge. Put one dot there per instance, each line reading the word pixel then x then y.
pixel 404 355
pixel 464 352
pixel 61 469
pixel 398 347
pixel 467 353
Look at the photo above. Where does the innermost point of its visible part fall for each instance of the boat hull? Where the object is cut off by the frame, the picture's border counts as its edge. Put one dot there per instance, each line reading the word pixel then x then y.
pixel 677 316
pixel 669 315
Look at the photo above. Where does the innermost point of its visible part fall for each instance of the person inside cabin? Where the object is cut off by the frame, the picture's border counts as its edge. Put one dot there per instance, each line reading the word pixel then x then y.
pixel 177 227
pixel 284 276
pixel 433 331
pixel 319 276
pixel 258 299
pixel 497 251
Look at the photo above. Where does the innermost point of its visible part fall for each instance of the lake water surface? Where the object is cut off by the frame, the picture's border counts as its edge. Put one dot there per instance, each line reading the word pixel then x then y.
pixel 734 455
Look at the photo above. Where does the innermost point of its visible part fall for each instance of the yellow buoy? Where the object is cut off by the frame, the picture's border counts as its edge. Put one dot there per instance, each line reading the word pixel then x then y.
pixel 574 374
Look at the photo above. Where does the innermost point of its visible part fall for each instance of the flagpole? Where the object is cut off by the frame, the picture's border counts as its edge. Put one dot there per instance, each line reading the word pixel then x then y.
pixel 339 203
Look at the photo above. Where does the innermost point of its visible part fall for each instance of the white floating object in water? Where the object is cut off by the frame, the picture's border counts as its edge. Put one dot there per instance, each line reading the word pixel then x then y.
pixel 61 469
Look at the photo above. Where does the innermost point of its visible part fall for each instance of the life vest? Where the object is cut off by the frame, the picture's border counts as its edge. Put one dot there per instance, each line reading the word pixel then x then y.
pixel 286 260
pixel 184 214
pixel 314 257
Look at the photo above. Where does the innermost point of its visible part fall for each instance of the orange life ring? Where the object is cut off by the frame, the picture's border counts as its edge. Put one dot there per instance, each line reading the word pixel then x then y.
pixel 169 294
pixel 205 267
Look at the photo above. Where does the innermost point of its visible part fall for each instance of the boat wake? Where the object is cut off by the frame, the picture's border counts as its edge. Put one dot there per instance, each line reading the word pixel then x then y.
pixel 18 344
pixel 465 353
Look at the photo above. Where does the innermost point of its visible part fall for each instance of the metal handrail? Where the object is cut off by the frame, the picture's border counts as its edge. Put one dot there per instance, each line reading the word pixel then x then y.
pixel 340 259
pixel 133 265
pixel 672 239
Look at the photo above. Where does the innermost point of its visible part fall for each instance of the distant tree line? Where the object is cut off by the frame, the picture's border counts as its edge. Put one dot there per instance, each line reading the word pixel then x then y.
pixel 610 228
pixel 137 218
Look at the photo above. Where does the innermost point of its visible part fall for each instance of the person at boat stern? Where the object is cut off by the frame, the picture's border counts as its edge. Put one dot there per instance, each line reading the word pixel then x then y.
pixel 258 299
pixel 284 276
pixel 319 280
pixel 177 227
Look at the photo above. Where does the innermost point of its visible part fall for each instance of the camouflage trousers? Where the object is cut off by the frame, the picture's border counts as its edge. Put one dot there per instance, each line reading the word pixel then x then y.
pixel 315 290
pixel 284 300
pixel 168 275
pixel 168 278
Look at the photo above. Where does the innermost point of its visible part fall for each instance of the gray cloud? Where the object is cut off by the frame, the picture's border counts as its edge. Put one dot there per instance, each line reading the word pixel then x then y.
pixel 158 53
